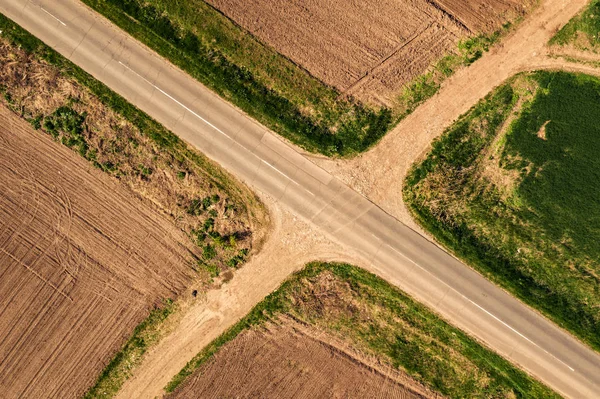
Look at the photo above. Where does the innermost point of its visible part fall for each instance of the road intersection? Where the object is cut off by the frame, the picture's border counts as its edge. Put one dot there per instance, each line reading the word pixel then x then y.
pixel 265 162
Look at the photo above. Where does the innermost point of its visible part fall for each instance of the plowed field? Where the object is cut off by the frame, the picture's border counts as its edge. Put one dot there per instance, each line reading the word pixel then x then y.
pixel 290 360
pixel 368 49
pixel 81 263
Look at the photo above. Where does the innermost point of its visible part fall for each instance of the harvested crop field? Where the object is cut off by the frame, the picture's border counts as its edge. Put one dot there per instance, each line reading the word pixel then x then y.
pixel 289 359
pixel 82 260
pixel 368 49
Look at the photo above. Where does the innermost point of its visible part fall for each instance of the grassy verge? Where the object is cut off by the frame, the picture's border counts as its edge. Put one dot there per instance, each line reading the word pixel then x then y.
pixel 511 188
pixel 146 334
pixel 267 86
pixel 61 100
pixel 583 31
pixel 376 317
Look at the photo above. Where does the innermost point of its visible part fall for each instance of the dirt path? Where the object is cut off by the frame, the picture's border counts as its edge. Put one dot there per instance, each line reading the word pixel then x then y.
pixel 291 245
pixel 379 173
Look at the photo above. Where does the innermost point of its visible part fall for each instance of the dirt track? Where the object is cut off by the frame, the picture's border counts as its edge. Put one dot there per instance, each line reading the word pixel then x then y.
pixel 82 263
pixel 288 360
pixel 367 49
pixel 291 244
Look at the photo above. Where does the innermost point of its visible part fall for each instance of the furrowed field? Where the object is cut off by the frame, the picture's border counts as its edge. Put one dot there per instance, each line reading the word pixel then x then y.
pixel 512 188
pixel 336 330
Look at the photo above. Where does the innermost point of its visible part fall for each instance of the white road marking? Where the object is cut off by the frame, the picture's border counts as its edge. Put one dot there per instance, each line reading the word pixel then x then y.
pixel 282 174
pixel 480 307
pixel 175 100
pixel 208 123
pixel 47 12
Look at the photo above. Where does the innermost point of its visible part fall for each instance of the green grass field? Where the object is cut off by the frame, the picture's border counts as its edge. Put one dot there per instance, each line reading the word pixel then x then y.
pixel 583 31
pixel 377 318
pixel 269 87
pixel 513 189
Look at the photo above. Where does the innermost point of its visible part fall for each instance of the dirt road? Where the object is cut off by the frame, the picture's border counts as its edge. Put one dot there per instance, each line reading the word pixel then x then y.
pixel 290 245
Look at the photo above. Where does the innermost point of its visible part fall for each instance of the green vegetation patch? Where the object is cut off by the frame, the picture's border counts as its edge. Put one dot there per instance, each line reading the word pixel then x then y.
pixel 512 188
pixel 376 317
pixel 583 31
pixel 266 85
pixel 146 334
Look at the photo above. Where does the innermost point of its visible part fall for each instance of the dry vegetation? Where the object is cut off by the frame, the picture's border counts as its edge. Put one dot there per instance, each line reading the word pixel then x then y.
pixel 368 50
pixel 116 217
pixel 218 214
pixel 82 262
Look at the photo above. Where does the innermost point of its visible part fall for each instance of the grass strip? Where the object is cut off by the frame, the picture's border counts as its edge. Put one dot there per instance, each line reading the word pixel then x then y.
pixel 378 317
pixel 145 335
pixel 583 31
pixel 238 85
pixel 265 84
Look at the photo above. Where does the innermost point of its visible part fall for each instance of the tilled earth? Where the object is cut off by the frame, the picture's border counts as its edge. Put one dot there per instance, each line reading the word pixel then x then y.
pixel 288 359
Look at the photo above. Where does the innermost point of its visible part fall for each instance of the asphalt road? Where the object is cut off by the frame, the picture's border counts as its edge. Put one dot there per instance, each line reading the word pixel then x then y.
pixel 256 156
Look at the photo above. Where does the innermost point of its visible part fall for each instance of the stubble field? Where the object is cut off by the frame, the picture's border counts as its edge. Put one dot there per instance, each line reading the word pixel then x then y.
pixel 369 50
pixel 82 263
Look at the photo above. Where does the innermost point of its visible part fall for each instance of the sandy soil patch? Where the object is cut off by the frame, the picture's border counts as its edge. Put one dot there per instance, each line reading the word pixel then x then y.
pixel 289 359
pixel 82 263
pixel 367 49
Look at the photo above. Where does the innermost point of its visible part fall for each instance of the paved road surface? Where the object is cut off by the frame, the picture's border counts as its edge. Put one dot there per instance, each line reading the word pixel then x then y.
pixel 260 159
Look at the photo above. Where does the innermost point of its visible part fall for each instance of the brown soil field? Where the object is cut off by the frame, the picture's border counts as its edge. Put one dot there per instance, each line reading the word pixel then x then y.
pixel 481 16
pixel 292 360
pixel 367 49
pixel 82 263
